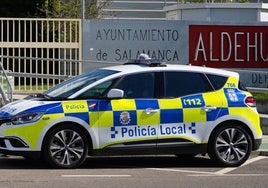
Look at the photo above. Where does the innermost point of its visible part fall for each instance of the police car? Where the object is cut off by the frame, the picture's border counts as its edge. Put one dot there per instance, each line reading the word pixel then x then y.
pixel 141 107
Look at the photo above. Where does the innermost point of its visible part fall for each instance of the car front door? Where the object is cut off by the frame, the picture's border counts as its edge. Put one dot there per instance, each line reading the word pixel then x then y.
pixel 130 122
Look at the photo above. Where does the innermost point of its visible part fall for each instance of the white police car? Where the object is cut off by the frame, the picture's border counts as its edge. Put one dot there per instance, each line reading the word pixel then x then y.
pixel 141 107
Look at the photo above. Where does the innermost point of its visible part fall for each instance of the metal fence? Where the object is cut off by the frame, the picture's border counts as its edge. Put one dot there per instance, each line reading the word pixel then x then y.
pixel 47 47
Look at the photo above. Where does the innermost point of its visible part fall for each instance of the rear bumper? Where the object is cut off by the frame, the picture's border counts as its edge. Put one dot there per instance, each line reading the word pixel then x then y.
pixel 256 144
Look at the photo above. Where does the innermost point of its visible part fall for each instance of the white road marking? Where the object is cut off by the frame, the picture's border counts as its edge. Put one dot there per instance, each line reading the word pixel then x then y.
pixel 249 161
pixel 228 175
pixel 221 172
pixel 177 170
pixel 254 160
pixel 94 176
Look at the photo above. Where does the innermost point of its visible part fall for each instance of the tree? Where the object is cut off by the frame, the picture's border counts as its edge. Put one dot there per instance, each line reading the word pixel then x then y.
pixel 72 8
pixel 51 8
pixel 19 8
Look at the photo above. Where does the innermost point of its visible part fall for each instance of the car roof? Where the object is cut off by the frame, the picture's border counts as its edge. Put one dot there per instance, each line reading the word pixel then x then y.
pixel 134 68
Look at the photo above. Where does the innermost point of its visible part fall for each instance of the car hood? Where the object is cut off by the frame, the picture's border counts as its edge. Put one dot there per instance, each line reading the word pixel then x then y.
pixel 25 105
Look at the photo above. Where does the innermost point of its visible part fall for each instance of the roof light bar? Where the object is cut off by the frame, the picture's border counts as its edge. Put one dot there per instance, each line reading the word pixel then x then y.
pixel 144 59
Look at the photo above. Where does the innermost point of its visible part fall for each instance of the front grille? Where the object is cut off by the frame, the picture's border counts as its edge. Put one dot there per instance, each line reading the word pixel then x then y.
pixel 2 143
pixel 4 120
pixel 14 141
pixel 17 143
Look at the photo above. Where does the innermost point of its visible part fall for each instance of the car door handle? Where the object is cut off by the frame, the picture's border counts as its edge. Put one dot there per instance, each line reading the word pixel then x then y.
pixel 209 108
pixel 150 110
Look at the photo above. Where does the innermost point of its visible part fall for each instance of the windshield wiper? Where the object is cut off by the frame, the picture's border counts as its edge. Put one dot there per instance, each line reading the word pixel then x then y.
pixel 40 95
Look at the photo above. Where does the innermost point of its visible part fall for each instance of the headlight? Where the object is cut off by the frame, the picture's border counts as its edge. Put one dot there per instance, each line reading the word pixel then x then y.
pixel 28 117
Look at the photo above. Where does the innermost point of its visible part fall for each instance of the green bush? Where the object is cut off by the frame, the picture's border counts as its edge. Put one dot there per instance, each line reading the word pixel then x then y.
pixel 261 96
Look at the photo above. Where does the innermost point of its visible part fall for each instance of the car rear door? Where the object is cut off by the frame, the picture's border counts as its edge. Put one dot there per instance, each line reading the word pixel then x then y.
pixel 188 107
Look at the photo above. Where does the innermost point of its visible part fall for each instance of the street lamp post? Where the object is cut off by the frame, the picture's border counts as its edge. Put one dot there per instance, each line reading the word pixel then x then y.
pixel 83 10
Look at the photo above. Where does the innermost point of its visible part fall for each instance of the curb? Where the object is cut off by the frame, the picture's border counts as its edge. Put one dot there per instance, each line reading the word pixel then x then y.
pixel 264 123
pixel 264 153
pixel 264 146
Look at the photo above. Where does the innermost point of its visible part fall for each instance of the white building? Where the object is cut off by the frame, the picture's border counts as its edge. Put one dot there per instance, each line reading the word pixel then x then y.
pixel 225 12
pixel 138 9
pixel 210 10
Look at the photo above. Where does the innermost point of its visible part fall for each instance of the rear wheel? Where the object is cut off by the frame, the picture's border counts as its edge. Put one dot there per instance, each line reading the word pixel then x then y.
pixel 230 145
pixel 65 147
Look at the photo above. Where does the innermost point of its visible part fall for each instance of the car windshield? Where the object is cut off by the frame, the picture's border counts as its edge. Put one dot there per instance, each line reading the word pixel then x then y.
pixel 71 86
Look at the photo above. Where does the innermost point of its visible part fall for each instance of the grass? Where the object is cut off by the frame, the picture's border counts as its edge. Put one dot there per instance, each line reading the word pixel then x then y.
pixel 261 96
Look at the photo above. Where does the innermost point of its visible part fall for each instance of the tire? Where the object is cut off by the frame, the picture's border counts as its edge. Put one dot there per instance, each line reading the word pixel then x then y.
pixel 65 147
pixel 230 145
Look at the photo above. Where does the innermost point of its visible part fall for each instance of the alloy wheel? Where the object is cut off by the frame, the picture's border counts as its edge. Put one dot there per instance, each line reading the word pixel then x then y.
pixel 232 145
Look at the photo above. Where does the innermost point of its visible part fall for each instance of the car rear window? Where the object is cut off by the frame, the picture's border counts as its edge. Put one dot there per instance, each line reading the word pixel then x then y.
pixel 217 81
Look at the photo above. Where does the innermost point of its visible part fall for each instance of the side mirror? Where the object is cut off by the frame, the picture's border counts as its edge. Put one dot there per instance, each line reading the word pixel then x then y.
pixel 115 94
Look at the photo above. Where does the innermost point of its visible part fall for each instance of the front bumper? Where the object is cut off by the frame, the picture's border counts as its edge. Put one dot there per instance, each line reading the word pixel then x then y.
pixel 16 146
pixel 12 143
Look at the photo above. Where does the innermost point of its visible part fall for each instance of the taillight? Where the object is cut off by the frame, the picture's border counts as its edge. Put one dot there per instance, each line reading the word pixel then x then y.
pixel 250 101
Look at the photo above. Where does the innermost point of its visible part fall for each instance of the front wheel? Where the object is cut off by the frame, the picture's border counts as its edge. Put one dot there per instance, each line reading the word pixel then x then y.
pixel 65 147
pixel 230 146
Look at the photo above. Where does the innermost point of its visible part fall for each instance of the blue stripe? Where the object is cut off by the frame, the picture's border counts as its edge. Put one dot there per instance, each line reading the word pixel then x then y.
pixel 93 105
pixel 4 114
pixel 83 115
pixel 171 116
pixel 142 104
pixel 105 105
pixel 132 120
pixel 234 97
pixel 53 108
pixel 214 114
pixel 223 112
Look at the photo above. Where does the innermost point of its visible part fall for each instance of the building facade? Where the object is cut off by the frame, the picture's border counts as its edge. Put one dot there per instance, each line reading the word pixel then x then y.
pixel 133 9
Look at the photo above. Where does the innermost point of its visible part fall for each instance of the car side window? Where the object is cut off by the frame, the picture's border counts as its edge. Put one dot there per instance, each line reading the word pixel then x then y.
pixel 139 85
pixel 217 80
pixel 179 84
pixel 97 91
